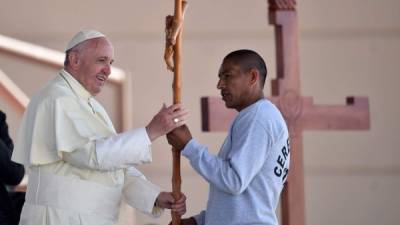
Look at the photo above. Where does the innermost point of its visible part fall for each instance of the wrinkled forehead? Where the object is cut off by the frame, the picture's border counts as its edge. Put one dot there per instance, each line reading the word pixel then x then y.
pixel 229 66
pixel 98 43
pixel 98 46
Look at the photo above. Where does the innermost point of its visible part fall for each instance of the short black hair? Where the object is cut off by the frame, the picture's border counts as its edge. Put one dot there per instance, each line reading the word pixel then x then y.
pixel 247 60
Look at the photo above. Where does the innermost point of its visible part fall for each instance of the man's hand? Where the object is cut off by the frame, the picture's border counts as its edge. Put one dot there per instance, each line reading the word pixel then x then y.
pixel 187 221
pixel 166 200
pixel 179 137
pixel 167 119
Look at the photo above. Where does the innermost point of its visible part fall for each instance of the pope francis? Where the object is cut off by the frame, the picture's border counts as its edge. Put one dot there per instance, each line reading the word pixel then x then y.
pixel 79 167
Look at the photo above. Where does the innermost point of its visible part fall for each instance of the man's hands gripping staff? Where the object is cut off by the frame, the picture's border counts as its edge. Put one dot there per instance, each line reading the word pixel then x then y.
pixel 167 119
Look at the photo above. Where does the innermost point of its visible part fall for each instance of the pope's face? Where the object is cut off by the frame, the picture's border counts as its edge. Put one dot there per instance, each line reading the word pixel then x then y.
pixel 94 65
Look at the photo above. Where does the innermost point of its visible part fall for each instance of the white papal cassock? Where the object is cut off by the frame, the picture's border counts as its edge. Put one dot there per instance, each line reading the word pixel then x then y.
pixel 79 168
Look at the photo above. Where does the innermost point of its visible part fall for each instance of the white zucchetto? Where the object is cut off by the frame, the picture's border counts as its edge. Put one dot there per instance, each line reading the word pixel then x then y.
pixel 82 36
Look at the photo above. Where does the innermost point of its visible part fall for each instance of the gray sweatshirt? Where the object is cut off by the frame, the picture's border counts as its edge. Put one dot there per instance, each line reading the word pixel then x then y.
pixel 247 176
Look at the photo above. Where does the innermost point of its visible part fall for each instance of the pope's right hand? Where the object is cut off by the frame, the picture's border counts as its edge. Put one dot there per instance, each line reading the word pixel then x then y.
pixel 167 119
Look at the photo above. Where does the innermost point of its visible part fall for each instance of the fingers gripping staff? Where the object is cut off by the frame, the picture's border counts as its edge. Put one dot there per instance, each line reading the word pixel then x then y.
pixel 173 30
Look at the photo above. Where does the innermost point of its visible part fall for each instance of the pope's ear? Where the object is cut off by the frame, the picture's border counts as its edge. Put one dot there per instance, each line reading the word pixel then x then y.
pixel 73 58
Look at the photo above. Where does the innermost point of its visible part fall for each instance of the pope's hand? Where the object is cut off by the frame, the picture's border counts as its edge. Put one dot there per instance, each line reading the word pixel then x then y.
pixel 167 119
pixel 167 201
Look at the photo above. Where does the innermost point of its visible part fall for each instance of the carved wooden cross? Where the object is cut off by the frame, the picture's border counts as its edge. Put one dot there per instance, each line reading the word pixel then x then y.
pixel 300 113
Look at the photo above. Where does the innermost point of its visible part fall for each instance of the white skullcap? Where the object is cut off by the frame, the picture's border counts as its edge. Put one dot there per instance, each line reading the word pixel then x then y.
pixel 82 36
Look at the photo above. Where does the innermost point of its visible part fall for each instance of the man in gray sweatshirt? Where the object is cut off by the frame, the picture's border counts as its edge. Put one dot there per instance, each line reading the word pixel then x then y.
pixel 248 174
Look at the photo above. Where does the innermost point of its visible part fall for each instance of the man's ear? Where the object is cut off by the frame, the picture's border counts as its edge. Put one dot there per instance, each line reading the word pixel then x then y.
pixel 254 76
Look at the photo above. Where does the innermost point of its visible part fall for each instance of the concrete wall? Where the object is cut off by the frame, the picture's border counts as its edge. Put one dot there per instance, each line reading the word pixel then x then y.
pixel 347 47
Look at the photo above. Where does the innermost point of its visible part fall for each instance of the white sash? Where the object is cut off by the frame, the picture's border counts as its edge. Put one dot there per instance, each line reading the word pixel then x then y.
pixel 73 194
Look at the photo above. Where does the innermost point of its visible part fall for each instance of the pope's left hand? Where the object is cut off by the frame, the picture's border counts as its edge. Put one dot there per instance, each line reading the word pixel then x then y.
pixel 166 200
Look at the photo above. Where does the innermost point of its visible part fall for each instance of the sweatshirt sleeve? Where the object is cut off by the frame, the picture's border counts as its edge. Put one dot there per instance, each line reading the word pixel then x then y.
pixel 243 158
pixel 200 218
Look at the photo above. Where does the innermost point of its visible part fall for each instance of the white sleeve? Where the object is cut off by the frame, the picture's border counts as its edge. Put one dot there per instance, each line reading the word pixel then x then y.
pixel 123 150
pixel 110 153
pixel 140 193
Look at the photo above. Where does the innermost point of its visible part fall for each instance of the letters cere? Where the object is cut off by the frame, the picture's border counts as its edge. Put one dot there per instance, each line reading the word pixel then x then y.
pixel 281 169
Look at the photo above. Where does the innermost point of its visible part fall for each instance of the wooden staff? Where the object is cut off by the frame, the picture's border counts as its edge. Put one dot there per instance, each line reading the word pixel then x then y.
pixel 174 27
